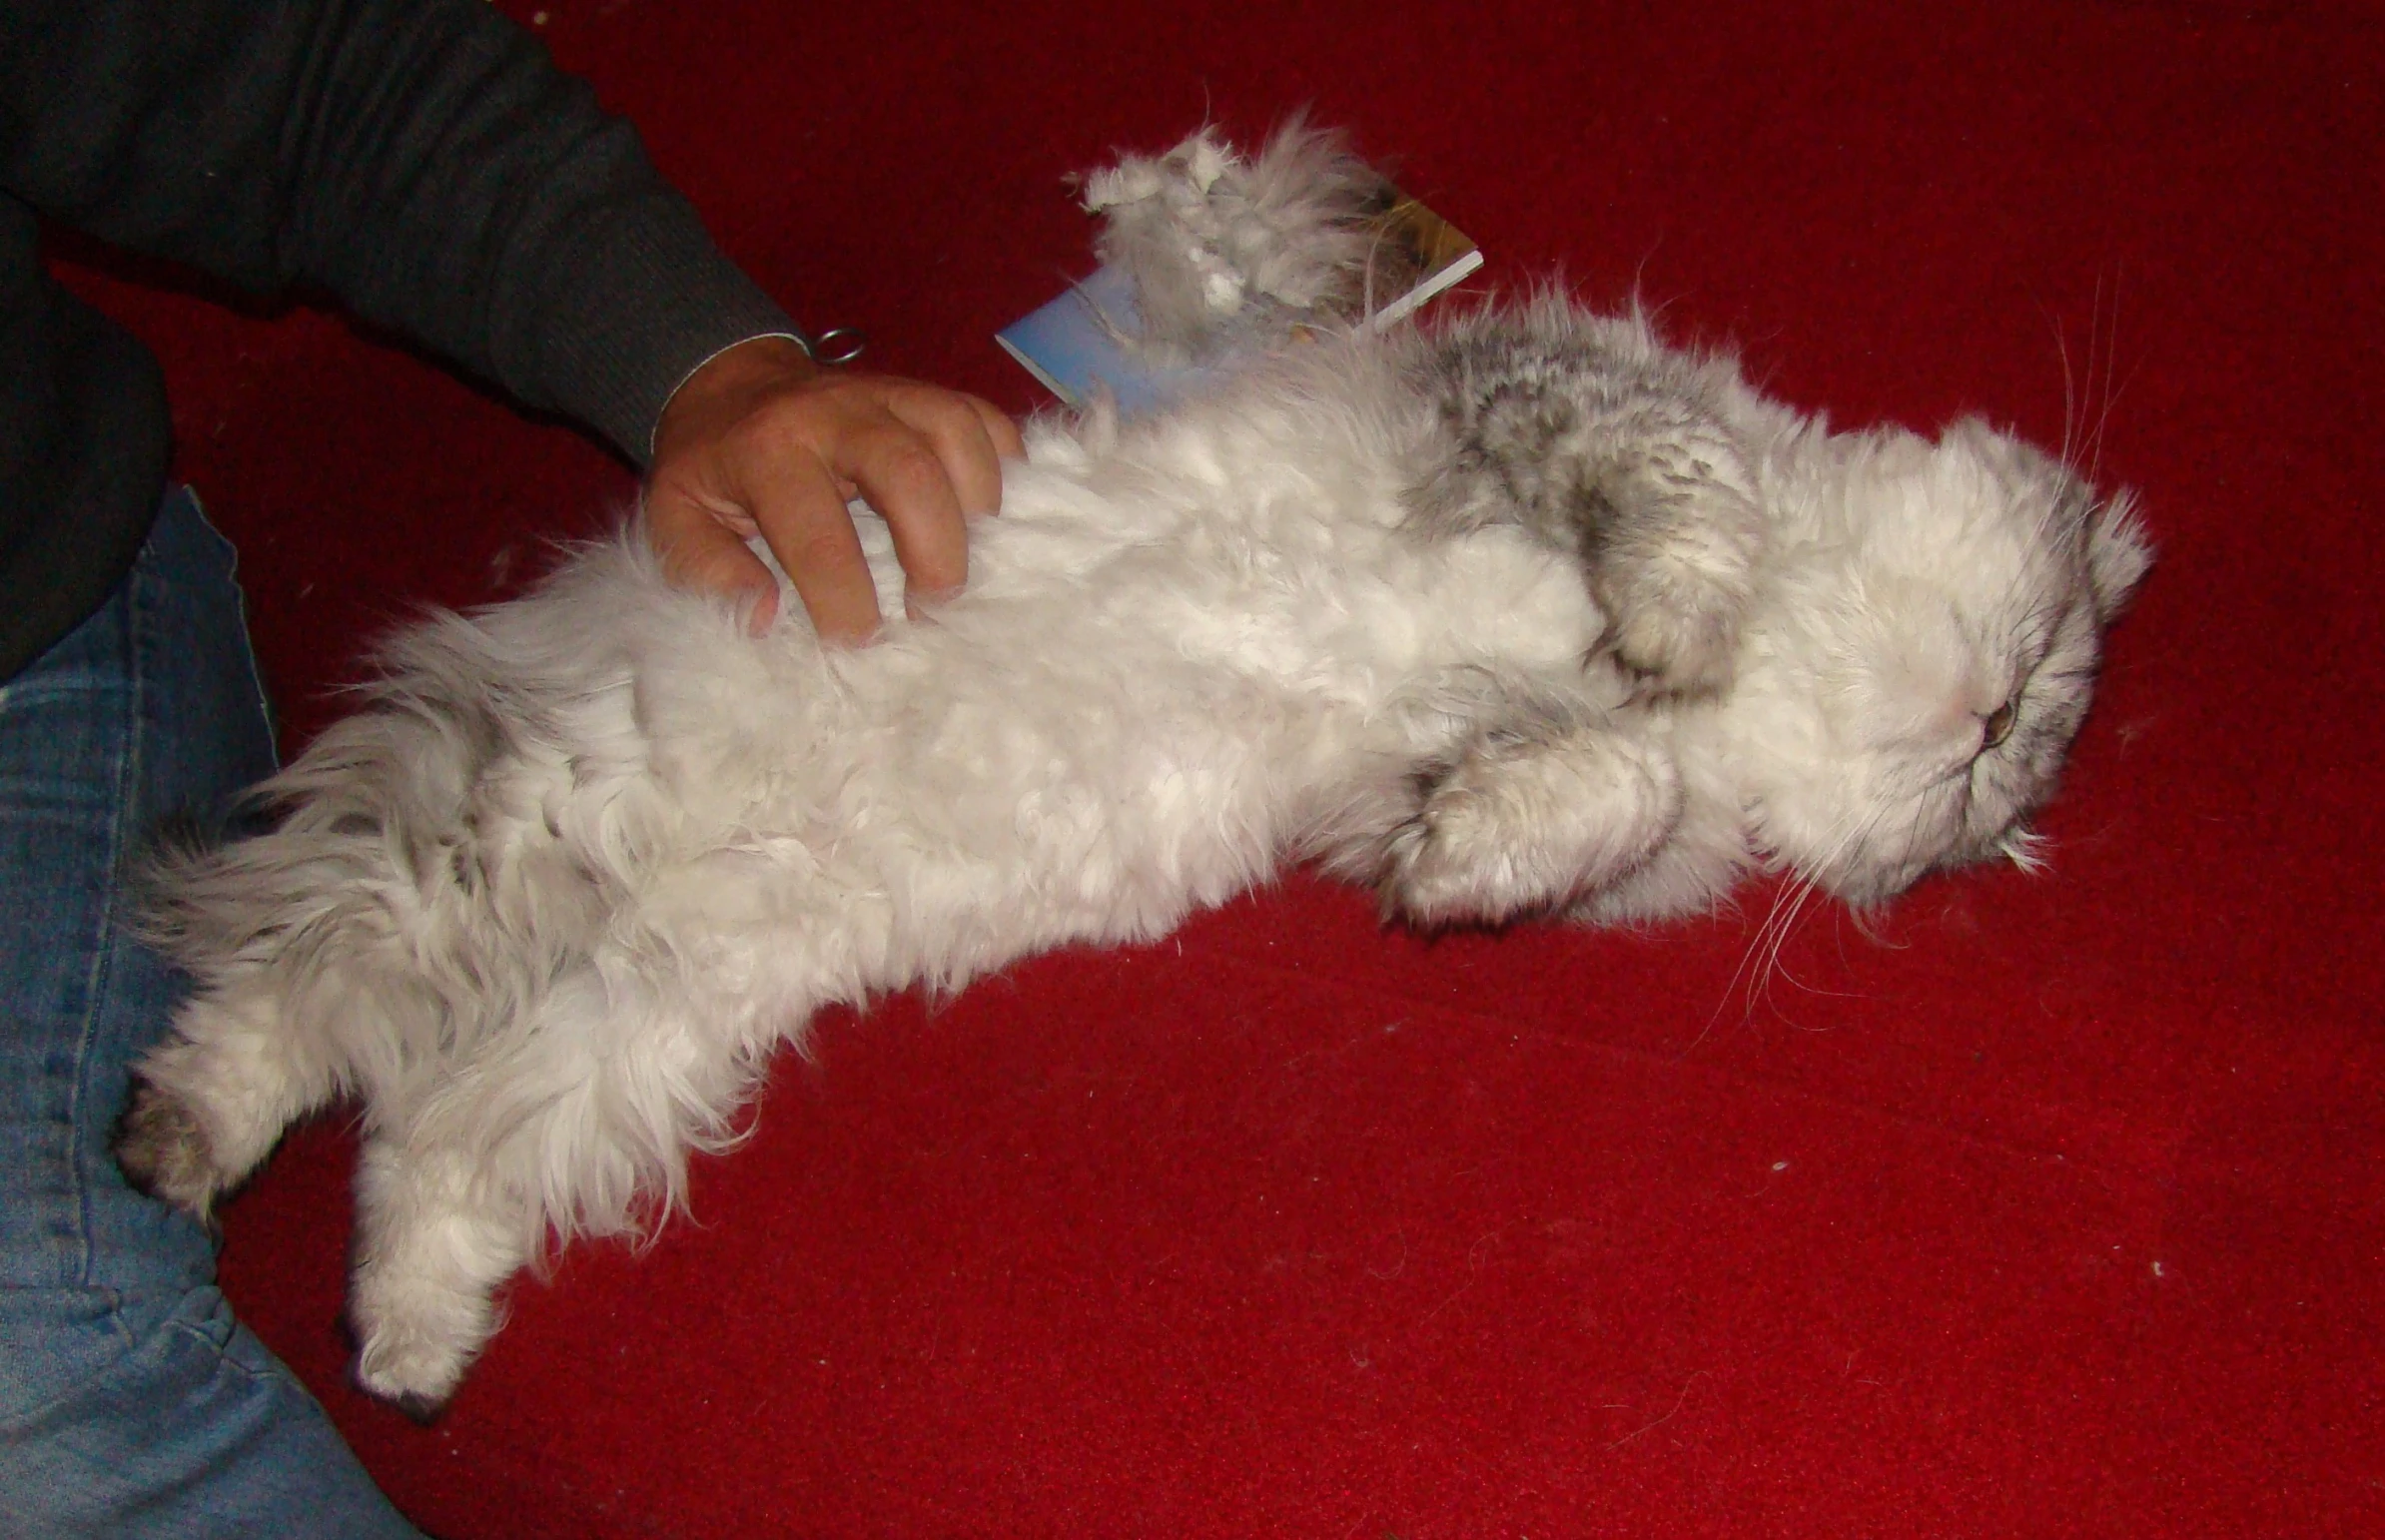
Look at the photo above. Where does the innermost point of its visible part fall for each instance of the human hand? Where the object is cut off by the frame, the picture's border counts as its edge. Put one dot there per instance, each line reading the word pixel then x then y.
pixel 761 440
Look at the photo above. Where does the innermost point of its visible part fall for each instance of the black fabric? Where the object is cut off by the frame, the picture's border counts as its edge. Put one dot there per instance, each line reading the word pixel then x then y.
pixel 422 161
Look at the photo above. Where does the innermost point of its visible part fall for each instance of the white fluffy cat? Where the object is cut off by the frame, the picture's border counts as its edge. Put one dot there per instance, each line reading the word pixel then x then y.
pixel 1529 615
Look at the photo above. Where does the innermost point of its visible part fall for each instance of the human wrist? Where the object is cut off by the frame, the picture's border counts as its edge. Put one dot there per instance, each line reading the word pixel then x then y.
pixel 766 358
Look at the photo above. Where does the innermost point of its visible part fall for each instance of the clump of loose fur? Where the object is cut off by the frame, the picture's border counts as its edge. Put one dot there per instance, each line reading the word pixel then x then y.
pixel 1229 253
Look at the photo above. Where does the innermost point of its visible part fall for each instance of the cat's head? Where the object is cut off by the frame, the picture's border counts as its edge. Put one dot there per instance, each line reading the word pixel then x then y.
pixel 1915 678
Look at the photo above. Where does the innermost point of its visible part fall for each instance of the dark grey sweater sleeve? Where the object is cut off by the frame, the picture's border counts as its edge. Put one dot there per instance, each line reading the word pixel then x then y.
pixel 424 161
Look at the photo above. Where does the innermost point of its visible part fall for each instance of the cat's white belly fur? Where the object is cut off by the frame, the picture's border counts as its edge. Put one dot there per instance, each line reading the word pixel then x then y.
pixel 1042 760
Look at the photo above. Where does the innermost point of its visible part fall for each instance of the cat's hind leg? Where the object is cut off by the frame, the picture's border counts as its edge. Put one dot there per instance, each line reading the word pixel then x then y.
pixel 298 974
pixel 573 1118
pixel 210 1101
pixel 1526 819
pixel 436 1239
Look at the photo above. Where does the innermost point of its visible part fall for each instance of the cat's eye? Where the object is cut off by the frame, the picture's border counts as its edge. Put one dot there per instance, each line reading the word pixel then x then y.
pixel 1996 726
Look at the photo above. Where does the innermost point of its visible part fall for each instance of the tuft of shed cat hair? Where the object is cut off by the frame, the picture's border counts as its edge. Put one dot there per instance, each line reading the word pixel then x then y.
pixel 1228 255
pixel 547 902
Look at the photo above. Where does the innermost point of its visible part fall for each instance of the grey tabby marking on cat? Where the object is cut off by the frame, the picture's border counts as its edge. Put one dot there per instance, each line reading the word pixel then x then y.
pixel 1617 452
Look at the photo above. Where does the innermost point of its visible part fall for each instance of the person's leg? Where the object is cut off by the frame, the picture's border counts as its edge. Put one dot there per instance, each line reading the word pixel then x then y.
pixel 131 1402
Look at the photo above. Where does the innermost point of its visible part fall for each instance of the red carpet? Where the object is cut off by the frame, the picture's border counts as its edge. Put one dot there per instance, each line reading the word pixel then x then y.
pixel 2057 1207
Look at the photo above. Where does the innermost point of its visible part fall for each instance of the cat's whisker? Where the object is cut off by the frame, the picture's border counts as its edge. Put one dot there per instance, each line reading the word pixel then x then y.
pixel 1774 968
pixel 1761 961
pixel 2112 345
pixel 2062 348
pixel 1755 958
pixel 1749 966
pixel 1857 834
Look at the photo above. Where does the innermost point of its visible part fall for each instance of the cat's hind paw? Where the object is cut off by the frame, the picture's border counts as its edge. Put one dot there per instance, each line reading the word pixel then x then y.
pixel 162 1148
pixel 412 1370
pixel 415 1338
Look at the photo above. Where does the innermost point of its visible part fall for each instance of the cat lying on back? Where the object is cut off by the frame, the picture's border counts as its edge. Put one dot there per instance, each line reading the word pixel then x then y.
pixel 1529 615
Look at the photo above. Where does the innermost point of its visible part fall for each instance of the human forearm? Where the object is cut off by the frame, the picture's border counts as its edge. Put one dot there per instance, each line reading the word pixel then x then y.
pixel 421 160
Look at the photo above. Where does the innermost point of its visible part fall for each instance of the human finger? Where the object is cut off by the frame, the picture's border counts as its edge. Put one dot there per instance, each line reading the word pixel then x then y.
pixel 954 432
pixel 971 436
pixel 1008 443
pixel 700 550
pixel 801 517
pixel 904 477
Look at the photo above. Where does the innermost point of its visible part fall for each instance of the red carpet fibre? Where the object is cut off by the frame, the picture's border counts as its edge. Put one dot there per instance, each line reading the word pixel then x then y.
pixel 2056 1208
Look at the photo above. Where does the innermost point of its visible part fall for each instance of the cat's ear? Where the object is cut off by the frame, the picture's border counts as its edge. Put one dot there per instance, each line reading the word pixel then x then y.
pixel 2118 555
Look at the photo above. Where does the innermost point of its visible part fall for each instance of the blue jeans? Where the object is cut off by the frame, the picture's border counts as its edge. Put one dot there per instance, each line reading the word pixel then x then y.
pixel 131 1402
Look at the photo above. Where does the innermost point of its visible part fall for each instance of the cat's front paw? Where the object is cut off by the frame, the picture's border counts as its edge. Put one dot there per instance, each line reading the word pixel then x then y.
pixel 1676 574
pixel 1523 824
pixel 1675 628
